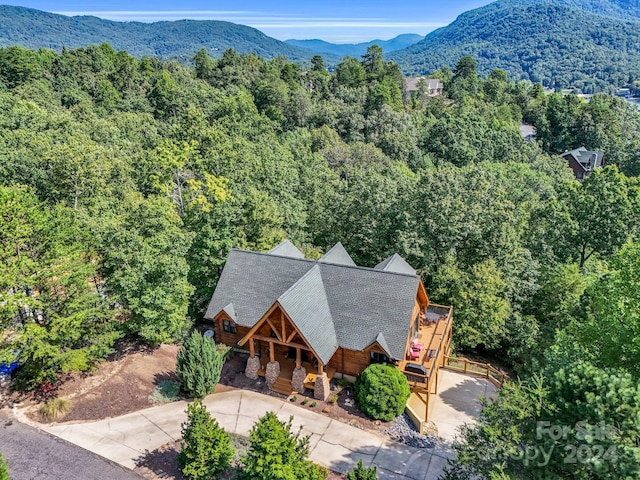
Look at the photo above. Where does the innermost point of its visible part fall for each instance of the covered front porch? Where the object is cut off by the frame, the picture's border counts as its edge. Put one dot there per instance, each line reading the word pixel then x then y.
pixel 282 354
pixel 287 361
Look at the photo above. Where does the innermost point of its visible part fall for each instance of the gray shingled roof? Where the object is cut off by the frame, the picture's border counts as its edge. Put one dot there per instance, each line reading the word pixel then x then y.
pixel 383 343
pixel 395 263
pixel 587 159
pixel 363 302
pixel 286 249
pixel 338 254
pixel 307 305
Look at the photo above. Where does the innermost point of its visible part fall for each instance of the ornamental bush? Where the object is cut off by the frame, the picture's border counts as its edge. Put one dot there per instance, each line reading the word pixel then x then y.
pixel 381 392
pixel 363 473
pixel 277 453
pixel 4 470
pixel 199 364
pixel 207 449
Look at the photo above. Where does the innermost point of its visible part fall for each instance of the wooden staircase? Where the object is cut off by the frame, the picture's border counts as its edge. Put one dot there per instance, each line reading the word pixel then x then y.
pixel 282 385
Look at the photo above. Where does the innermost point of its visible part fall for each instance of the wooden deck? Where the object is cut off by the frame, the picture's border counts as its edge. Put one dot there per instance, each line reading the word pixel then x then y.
pixel 288 364
pixel 433 335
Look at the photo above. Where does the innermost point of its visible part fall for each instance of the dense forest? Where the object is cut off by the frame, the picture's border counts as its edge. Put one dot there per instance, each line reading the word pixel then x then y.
pixel 124 182
pixel 590 46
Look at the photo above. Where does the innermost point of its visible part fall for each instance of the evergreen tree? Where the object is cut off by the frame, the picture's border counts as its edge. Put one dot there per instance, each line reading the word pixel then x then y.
pixel 276 453
pixel 199 364
pixel 4 470
pixel 363 473
pixel 207 449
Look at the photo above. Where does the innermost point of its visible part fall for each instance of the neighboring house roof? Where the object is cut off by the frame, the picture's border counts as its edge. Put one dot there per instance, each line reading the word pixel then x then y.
pixel 286 249
pixel 338 254
pixel 527 131
pixel 395 263
pixel 432 84
pixel 364 305
pixel 587 159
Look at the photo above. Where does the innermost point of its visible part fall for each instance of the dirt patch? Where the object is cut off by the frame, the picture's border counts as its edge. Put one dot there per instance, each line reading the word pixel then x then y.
pixel 120 385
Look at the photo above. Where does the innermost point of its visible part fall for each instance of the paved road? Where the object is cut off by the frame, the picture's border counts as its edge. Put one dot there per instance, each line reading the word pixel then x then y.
pixel 36 455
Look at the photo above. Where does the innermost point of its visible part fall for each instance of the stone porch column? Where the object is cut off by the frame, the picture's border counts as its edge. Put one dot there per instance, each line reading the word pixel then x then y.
pixel 253 365
pixel 272 373
pixel 322 389
pixel 297 379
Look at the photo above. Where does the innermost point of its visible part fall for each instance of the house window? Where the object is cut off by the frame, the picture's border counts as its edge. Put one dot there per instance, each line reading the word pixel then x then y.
pixel 228 326
pixel 377 357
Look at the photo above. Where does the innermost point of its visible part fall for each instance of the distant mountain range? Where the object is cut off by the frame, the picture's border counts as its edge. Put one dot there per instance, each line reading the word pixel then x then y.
pixel 357 49
pixel 591 45
pixel 588 44
pixel 179 39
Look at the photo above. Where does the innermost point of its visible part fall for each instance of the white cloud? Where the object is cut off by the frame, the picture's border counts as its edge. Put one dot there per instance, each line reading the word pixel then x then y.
pixel 337 29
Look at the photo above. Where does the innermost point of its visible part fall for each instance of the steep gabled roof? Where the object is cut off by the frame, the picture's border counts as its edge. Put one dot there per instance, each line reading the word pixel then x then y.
pixel 380 340
pixel 395 263
pixel 286 249
pixel 306 304
pixel 338 254
pixel 231 311
pixel 362 302
pixel 253 282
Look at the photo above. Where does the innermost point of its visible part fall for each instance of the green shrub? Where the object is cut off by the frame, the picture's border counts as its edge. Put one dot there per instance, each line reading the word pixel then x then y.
pixel 305 401
pixel 334 398
pixel 166 391
pixel 363 473
pixel 313 404
pixel 199 364
pixel 381 392
pixel 276 453
pixel 4 469
pixel 342 384
pixel 55 408
pixel 207 450
pixel 294 398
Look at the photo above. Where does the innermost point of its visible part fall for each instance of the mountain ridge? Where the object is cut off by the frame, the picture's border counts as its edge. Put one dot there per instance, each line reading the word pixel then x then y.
pixel 179 39
pixel 357 49
pixel 542 41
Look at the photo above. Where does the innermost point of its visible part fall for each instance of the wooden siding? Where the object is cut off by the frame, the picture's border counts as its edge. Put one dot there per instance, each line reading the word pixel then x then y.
pixel 354 361
pixel 221 336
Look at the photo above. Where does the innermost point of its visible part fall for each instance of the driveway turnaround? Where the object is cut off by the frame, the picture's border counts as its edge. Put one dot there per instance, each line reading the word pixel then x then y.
pixel 333 444
pixel 35 455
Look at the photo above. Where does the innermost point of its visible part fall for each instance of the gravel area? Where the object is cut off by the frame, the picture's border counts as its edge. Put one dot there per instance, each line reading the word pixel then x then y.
pixel 403 430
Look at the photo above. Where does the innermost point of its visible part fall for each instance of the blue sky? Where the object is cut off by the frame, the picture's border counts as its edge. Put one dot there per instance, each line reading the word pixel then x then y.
pixel 340 21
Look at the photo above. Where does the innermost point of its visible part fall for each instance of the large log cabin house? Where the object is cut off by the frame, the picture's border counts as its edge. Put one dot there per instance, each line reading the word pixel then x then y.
pixel 305 321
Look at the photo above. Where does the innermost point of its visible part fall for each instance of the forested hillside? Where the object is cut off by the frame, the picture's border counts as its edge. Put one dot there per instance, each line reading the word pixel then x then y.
pixel 125 182
pixel 592 46
pixel 357 49
pixel 169 40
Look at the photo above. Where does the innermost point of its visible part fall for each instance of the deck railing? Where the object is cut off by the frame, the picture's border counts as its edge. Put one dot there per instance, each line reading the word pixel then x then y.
pixel 485 370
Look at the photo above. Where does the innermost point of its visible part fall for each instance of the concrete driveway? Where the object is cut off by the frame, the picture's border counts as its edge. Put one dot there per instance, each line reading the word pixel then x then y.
pixel 333 444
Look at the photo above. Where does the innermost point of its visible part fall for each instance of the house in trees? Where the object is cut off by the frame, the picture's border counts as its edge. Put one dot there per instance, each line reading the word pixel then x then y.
pixel 431 87
pixel 583 161
pixel 305 321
